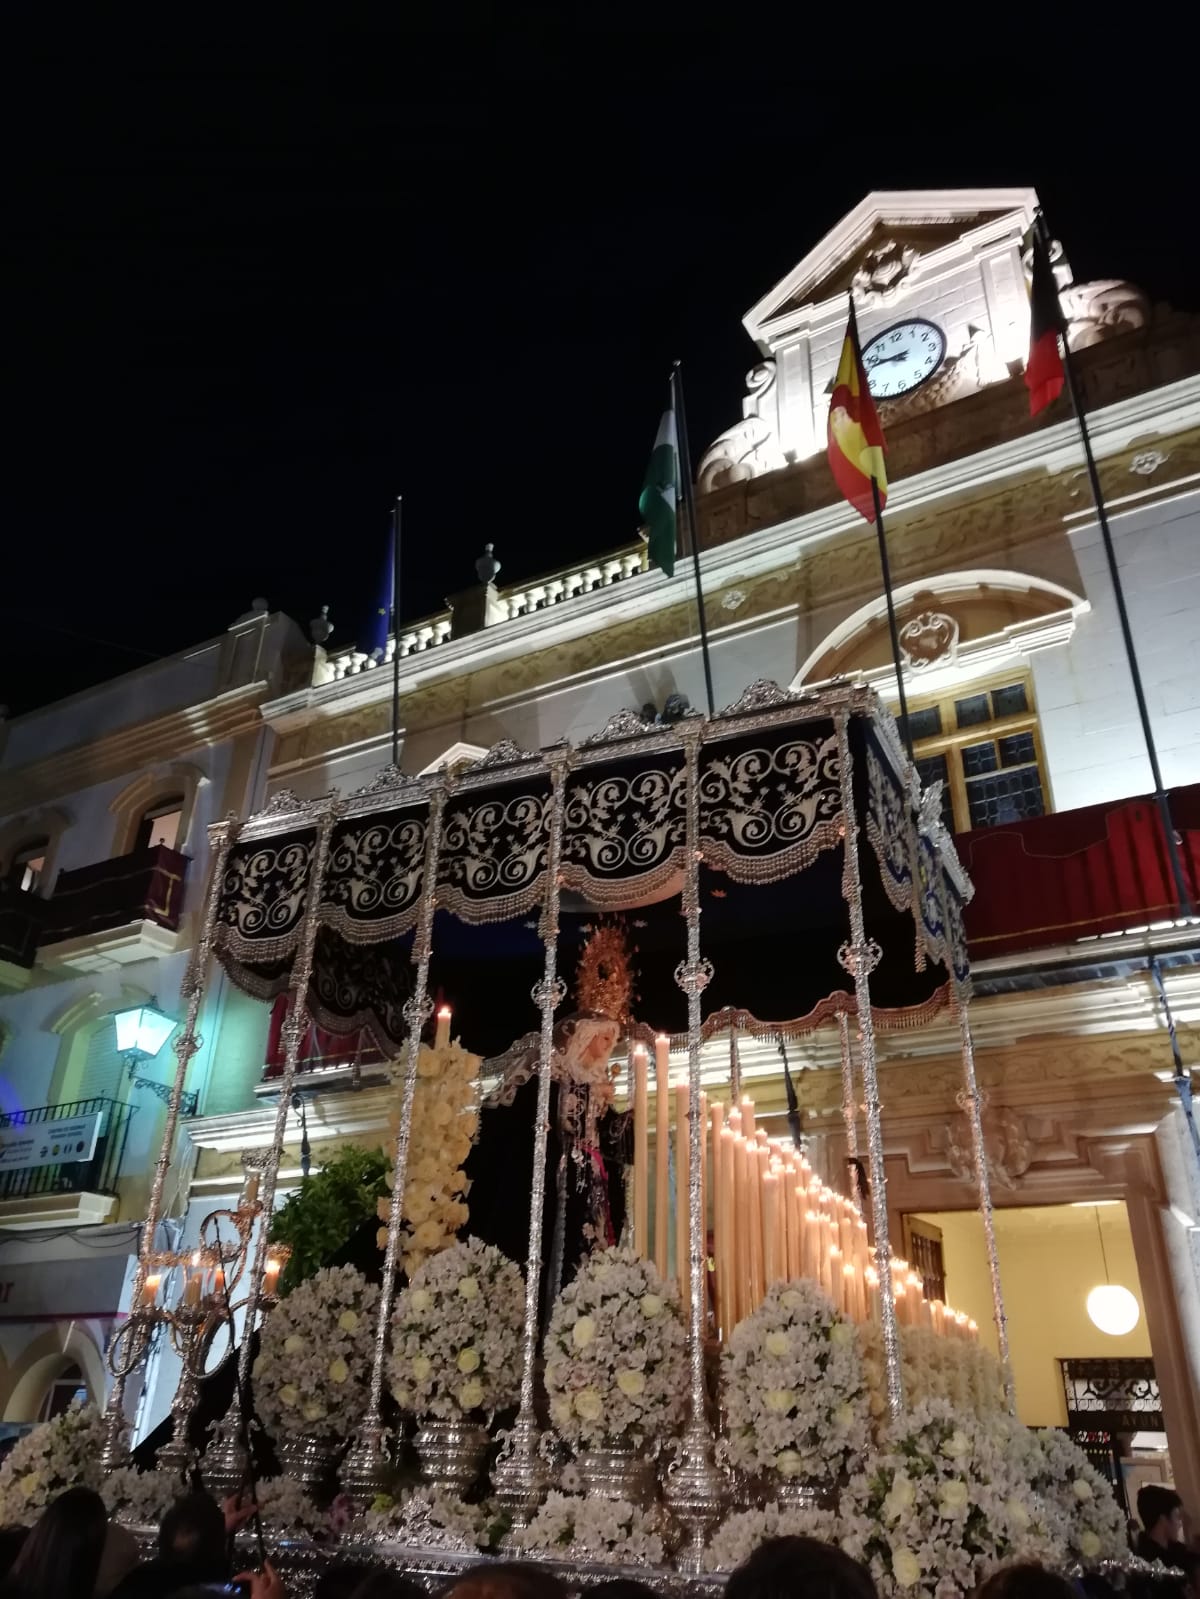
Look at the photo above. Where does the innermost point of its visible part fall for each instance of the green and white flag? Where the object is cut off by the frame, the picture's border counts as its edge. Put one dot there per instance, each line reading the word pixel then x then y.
pixel 660 495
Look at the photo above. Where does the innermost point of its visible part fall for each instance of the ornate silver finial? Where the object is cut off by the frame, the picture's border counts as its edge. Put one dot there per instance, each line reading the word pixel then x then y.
pixel 764 694
pixel 320 627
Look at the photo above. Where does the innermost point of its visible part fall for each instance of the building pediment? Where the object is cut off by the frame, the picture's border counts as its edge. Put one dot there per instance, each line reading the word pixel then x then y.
pixel 886 240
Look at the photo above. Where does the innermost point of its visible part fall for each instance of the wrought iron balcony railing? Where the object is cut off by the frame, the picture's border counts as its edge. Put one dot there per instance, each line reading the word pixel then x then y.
pixel 40 1134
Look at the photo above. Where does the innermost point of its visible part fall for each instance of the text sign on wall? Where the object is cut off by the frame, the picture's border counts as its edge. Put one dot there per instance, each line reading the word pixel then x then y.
pixel 49 1143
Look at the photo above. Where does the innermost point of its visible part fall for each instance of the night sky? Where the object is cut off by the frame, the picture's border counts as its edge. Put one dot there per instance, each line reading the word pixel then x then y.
pixel 261 281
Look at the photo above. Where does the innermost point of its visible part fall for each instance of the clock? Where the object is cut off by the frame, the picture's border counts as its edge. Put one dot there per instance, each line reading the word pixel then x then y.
pixel 902 357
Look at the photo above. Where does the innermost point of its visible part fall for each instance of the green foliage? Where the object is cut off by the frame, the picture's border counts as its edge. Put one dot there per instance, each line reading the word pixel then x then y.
pixel 327 1209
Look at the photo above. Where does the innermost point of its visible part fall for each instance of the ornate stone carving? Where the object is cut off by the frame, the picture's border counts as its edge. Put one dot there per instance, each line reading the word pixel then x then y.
pixel 929 638
pixel 1147 462
pixel 1007 1141
pixel 732 599
pixel 884 272
pixel 750 447
pixel 1100 310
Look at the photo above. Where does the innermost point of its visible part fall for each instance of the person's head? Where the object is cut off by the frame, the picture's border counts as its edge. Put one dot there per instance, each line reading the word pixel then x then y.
pixel 192 1533
pixel 12 1540
pixel 799 1568
pixel 1160 1510
pixel 1026 1581
pixel 341 1580
pixel 505 1579
pixel 61 1556
pixel 382 1583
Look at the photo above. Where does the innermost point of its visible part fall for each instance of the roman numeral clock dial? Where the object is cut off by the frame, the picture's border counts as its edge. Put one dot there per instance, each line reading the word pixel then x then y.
pixel 902 357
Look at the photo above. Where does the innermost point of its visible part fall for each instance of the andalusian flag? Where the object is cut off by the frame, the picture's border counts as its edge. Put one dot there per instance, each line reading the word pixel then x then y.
pixel 1044 376
pixel 856 446
pixel 660 495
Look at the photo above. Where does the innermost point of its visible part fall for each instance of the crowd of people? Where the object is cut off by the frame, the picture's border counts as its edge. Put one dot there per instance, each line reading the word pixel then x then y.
pixel 74 1551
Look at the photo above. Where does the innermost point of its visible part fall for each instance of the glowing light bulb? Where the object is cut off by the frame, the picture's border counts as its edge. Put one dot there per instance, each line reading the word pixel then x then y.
pixel 1113 1309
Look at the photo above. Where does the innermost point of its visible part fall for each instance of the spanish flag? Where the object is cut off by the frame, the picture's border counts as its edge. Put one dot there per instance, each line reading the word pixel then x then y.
pixel 856 447
pixel 1044 375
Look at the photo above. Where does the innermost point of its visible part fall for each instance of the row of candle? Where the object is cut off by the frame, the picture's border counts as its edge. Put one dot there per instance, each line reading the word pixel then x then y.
pixel 772 1218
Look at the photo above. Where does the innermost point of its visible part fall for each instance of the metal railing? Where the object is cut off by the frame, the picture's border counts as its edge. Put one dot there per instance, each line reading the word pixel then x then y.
pixel 96 1176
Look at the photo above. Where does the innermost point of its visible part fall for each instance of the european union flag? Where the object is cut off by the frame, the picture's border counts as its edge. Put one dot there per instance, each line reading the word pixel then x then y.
pixel 381 614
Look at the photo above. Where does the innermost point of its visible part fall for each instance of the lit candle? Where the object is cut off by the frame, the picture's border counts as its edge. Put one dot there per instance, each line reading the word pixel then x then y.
pixel 641 1154
pixel 770 1190
pixel 716 1184
pixel 682 1217
pixel 853 1285
pixel 442 1036
pixel 759 1159
pixel 250 1197
pixel 973 1329
pixel 837 1280
pixel 150 1289
pixel 937 1312
pixel 748 1117
pixel 662 1145
pixel 726 1268
pixel 219 1282
pixel 192 1282
pixel 810 1252
pixel 744 1246
pixel 871 1284
pixel 271 1275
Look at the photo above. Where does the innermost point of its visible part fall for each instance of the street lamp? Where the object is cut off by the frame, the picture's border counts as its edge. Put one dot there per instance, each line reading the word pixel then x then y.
pixel 141 1033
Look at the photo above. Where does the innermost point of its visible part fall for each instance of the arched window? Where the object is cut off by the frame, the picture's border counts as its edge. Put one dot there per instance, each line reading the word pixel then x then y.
pixel 69 1384
pixel 28 869
pixel 160 824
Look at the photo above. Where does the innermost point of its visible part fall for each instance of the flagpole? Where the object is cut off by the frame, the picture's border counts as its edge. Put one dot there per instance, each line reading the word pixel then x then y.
pixel 1160 793
pixel 689 500
pixel 396 634
pixel 891 612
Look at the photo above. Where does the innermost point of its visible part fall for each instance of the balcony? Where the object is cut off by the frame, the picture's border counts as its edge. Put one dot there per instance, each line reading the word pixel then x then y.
pixel 115 912
pixel 22 917
pixel 59 1163
pixel 1053 880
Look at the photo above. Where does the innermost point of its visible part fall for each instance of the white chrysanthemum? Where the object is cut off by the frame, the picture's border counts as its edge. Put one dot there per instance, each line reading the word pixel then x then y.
pixel 794 1387
pixel 285 1507
pixel 1086 1513
pixel 578 1527
pixel 320 1388
pixel 139 1498
pixel 426 1516
pixel 57 1455
pixel 592 1376
pixel 441 1335
pixel 736 1539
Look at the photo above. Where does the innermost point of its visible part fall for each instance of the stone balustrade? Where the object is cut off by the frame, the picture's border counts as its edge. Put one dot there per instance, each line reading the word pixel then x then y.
pixel 522 600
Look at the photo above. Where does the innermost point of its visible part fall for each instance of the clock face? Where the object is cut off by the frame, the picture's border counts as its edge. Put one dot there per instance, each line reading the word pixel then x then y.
pixel 902 357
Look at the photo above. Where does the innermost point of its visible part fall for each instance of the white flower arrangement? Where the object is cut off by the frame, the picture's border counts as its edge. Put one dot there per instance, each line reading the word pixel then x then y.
pixel 1090 1520
pixel 139 1498
pixel 314 1361
pixel 285 1508
pixel 456 1334
pixel 940 1507
pixel 578 1528
pixel 963 1373
pixel 794 1388
pixel 616 1366
pixel 445 1118
pixel 739 1535
pixel 425 1516
pixel 57 1455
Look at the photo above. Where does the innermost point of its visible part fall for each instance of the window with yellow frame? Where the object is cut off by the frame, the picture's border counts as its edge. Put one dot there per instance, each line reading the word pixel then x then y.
pixel 983 743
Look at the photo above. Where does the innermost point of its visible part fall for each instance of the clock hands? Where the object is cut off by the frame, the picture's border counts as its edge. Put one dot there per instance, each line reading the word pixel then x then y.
pixel 880 359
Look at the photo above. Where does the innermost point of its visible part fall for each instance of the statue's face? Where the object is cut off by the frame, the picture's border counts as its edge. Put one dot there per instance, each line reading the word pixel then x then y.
pixel 597 1038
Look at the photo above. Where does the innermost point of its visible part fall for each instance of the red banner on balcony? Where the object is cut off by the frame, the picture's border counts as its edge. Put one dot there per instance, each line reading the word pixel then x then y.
pixel 319 1048
pixel 1079 874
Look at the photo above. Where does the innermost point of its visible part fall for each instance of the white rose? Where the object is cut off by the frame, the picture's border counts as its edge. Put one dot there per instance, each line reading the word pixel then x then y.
pixel 468 1288
pixel 468 1360
pixel 338 1370
pixel 1089 1544
pixel 788 1463
pixel 29 1483
pixel 314 1412
pixel 631 1383
pixel 906 1568
pixel 843 1416
pixel 401 1394
pixel 779 1400
pixel 777 1343
pixel 651 1305
pixel 957 1445
pixel 421 1367
pixel 348 1320
pixel 842 1333
pixel 583 1332
pixel 289 1394
pixel 791 1300
pixel 589 1405
pixel 1082 1490
pixel 1017 1514
pixel 420 1299
pixel 952 1496
pixel 293 1344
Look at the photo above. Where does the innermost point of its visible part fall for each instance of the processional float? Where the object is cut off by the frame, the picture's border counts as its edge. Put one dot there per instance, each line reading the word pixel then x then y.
pixel 794 813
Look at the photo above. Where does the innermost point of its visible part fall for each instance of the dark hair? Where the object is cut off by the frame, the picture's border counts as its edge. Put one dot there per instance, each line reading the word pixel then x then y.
pixel 505 1579
pixel 61 1556
pixel 193 1532
pixel 1154 1502
pixel 623 1588
pixel 12 1540
pixel 1026 1581
pixel 800 1568
pixel 341 1580
pixel 384 1583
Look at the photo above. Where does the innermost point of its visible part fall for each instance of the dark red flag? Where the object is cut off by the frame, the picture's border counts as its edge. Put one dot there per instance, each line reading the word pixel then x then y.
pixel 1044 368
